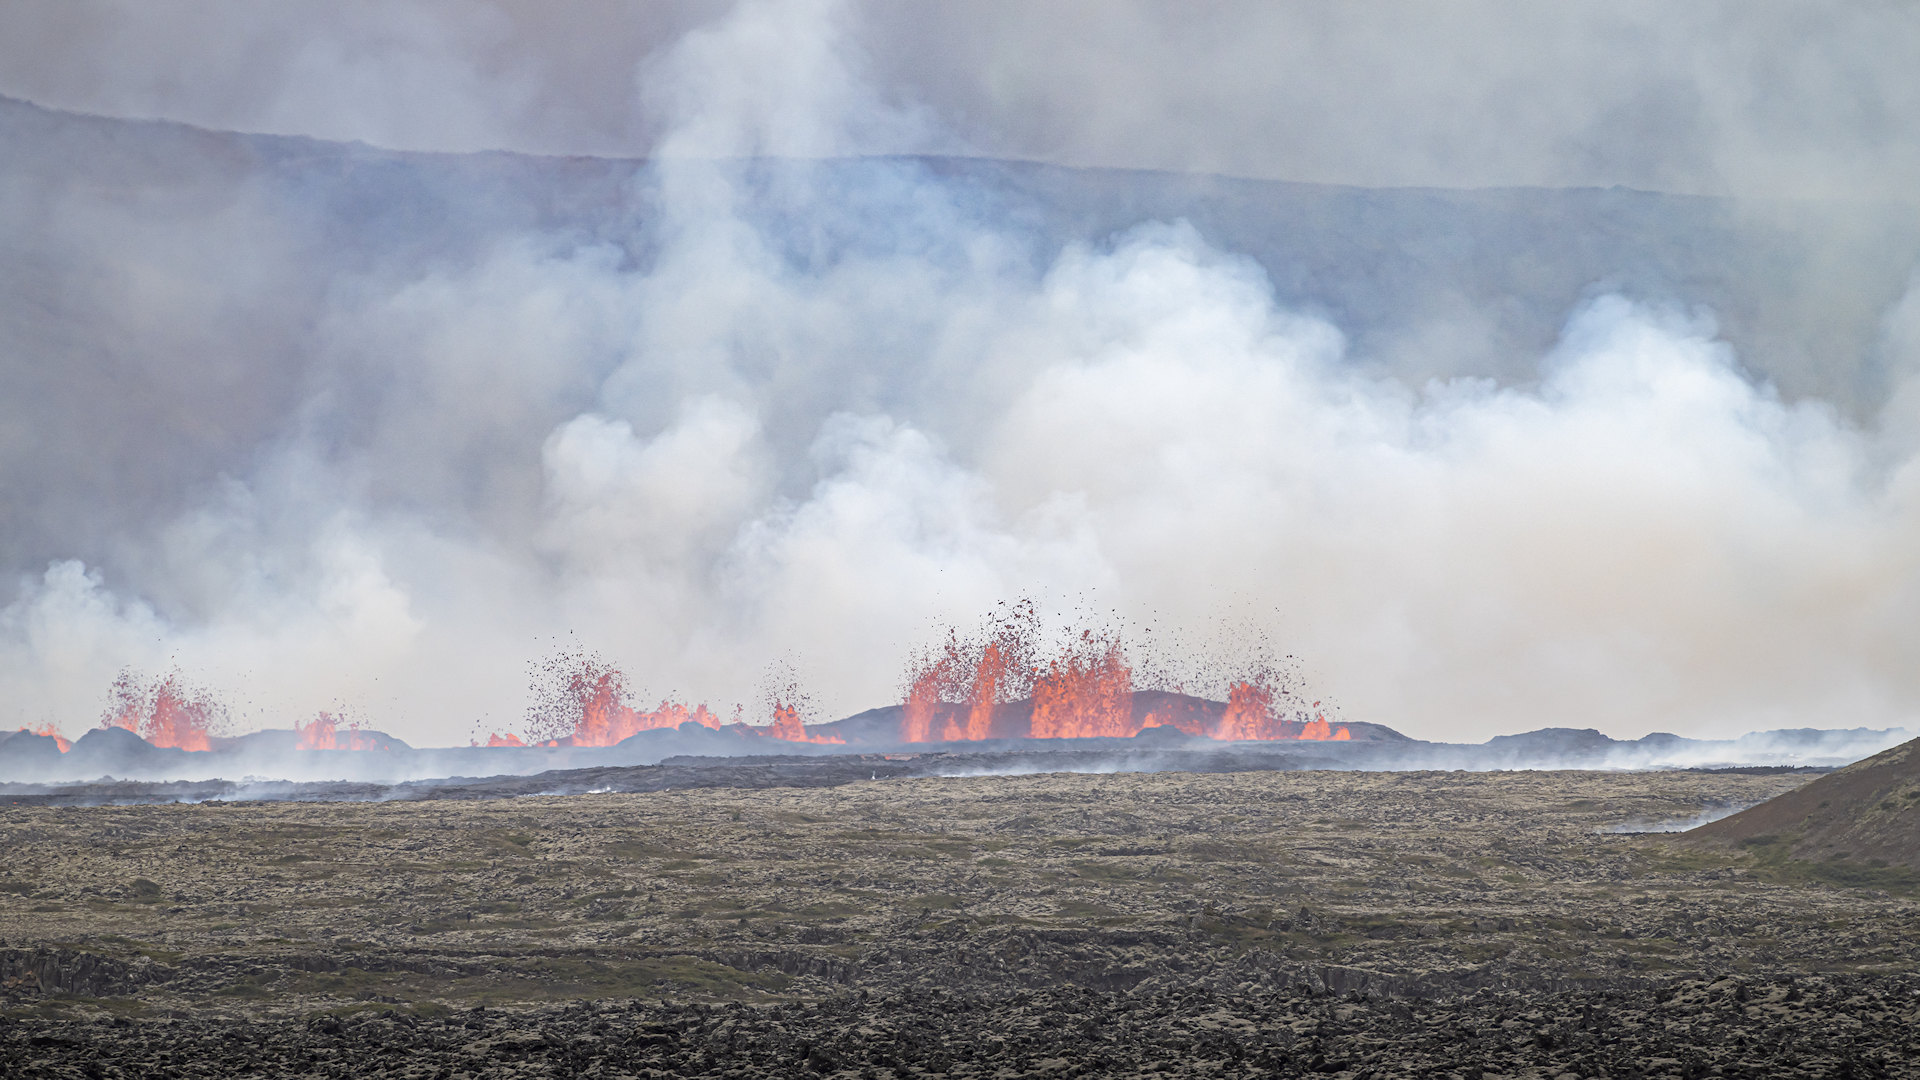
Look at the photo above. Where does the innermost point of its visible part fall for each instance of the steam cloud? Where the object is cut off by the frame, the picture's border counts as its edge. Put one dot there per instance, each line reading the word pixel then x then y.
pixel 816 408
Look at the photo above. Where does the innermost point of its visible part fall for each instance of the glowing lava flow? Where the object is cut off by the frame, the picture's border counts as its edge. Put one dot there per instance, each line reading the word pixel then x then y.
pixel 166 713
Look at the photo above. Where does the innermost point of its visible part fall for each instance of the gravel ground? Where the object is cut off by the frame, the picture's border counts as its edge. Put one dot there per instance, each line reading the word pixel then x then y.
pixel 1357 924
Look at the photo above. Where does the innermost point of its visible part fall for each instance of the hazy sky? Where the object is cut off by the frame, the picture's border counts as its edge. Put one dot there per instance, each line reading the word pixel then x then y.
pixel 378 434
pixel 1739 97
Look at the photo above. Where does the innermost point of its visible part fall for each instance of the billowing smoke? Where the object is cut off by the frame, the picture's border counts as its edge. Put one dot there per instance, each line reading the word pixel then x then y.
pixel 759 400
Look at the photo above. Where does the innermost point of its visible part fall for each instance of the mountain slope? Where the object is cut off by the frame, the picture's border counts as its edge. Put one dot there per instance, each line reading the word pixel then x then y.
pixel 1866 812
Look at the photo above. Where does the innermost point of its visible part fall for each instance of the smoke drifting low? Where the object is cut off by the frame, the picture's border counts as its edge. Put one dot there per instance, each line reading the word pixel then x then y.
pixel 758 399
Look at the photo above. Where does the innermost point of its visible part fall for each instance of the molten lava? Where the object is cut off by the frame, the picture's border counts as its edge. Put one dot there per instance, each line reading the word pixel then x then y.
pixel 788 727
pixel 59 740
pixel 166 713
pixel 1249 713
pixel 953 695
pixel 585 702
pixel 1319 729
pixel 967 690
pixel 1086 693
pixel 325 733
pixel 582 700
pixel 924 699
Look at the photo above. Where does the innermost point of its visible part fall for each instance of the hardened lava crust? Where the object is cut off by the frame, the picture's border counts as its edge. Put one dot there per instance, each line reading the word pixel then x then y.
pixel 1262 923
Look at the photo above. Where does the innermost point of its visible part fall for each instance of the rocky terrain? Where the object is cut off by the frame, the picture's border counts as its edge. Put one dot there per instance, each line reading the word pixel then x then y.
pixel 1241 923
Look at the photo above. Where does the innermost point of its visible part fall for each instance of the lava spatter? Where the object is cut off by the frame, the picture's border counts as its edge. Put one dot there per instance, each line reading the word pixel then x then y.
pixel 167 712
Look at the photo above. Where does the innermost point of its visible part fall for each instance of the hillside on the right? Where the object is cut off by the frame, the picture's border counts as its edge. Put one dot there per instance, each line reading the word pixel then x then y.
pixel 1867 813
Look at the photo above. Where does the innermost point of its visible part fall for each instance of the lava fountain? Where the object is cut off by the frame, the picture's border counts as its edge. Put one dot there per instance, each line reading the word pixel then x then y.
pixel 167 712
pixel 324 732
pixel 581 699
pixel 994 687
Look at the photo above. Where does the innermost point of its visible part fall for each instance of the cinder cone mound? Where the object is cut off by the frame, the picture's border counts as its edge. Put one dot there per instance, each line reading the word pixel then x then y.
pixel 1866 812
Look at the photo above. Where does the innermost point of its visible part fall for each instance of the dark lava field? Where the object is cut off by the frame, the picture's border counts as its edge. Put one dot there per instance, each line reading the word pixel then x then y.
pixel 1517 924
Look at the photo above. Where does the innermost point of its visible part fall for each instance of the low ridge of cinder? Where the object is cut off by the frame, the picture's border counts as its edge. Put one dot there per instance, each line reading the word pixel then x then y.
pixel 1867 812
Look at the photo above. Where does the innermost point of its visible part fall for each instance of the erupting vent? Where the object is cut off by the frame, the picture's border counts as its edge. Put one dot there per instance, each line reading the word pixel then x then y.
pixel 582 700
pixel 1011 681
pixel 995 688
pixel 166 712
pixel 49 731
pixel 325 733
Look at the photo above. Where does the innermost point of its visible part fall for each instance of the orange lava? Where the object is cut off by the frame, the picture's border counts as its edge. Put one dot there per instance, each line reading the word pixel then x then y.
pixel 952 694
pixel 955 694
pixel 166 713
pixel 1085 693
pixel 59 740
pixel 927 685
pixel 787 727
pixel 585 702
pixel 325 733
pixel 582 700
pixel 1249 713
pixel 1319 730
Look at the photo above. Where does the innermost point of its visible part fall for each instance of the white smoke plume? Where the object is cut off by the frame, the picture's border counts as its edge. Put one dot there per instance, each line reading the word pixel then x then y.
pixel 823 407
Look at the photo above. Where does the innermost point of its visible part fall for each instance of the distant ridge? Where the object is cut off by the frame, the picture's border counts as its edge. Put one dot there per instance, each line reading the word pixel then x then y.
pixel 28 762
pixel 1867 812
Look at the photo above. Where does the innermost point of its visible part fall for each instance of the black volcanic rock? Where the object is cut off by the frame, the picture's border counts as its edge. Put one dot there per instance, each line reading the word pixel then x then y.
pixel 1659 740
pixel 1179 925
pixel 271 740
pixel 23 751
pixel 1867 812
pixel 1164 735
pixel 114 751
pixel 1549 744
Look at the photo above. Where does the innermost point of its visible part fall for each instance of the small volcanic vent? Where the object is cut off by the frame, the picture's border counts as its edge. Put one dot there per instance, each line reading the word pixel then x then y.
pixel 788 702
pixel 166 712
pixel 581 699
pixel 1249 712
pixel 50 732
pixel 324 732
pixel 1253 714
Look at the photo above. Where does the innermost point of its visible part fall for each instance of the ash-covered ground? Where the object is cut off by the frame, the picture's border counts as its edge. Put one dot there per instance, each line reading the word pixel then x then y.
pixel 1172 924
